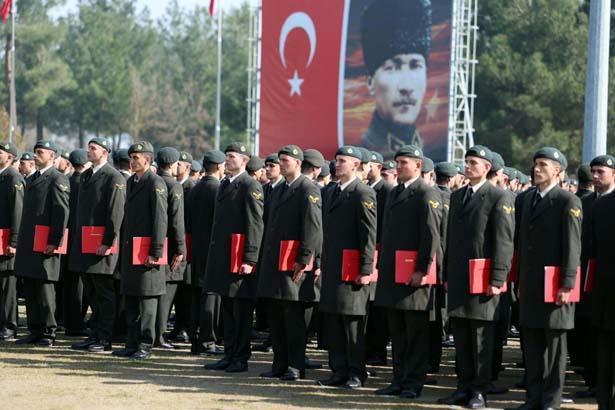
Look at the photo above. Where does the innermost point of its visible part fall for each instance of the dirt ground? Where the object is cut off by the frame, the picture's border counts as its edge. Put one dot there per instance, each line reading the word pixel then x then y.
pixel 61 378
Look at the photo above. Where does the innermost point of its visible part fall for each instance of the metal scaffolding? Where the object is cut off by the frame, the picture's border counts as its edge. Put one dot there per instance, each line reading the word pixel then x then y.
pixel 463 65
pixel 254 74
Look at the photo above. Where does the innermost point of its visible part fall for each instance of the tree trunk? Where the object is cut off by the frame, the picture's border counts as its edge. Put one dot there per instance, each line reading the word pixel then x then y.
pixel 39 125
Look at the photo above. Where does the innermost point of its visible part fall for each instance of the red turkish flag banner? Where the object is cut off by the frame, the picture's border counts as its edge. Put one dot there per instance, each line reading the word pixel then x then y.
pixel 302 63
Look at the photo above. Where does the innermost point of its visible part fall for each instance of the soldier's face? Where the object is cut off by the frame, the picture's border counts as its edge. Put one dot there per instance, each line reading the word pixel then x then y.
pixel 546 171
pixel 95 153
pixel 139 162
pixel 346 166
pixel 235 162
pixel 43 157
pixel 375 170
pixel 476 168
pixel 4 159
pixel 399 86
pixel 26 167
pixel 408 168
pixel 365 169
pixel 603 177
pixel 183 168
pixel 289 166
pixel 272 170
pixel 390 176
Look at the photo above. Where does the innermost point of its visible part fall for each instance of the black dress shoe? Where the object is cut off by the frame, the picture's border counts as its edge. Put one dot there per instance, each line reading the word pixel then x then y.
pixel 45 342
pixel 237 367
pixel 293 375
pixel 263 347
pixel 478 401
pixel 125 352
pixel 212 349
pixel 410 394
pixel 28 340
pixel 166 346
pixel 493 389
pixel 390 390
pixel 272 374
pixel 457 397
pixel 101 346
pixel 83 345
pixel 333 381
pixel 182 337
pixel 221 364
pixel 354 383
pixel 7 334
pixel 142 353
pixel 310 365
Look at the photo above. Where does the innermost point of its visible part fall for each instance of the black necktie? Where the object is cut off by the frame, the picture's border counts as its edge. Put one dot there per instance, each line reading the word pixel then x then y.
pixel 468 195
pixel 537 199
pixel 36 175
pixel 225 184
pixel 336 192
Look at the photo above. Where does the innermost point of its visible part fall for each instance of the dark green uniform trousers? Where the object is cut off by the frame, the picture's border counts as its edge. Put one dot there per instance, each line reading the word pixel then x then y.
pixel 377 333
pixel 473 353
pixel 410 335
pixel 182 302
pixel 288 322
pixel 119 328
pixel 605 381
pixel 101 293
pixel 40 307
pixel 237 315
pixel 8 300
pixel 345 341
pixel 205 316
pixel 141 314
pixel 545 365
pixel 164 310
pixel 72 299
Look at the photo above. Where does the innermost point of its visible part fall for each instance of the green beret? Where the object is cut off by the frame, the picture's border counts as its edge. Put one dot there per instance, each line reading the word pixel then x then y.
pixel 602 161
pixel 141 147
pixel 46 145
pixel 197 167
pixel 64 154
pixel 332 167
pixel 584 173
pixel 460 169
pixel 523 179
pixel 497 162
pixel 254 164
pixel 366 155
pixel 377 158
pixel 185 157
pixel 9 148
pixel 314 158
pixel 212 156
pixel 325 171
pixel 155 164
pixel 27 156
pixel 445 170
pixel 427 165
pixel 480 152
pixel 511 173
pixel 552 154
pixel 102 142
pixel 167 155
pixel 410 151
pixel 388 165
pixel 238 147
pixel 392 27
pixel 292 151
pixel 121 155
pixel 350 151
pixel 78 157
pixel 272 159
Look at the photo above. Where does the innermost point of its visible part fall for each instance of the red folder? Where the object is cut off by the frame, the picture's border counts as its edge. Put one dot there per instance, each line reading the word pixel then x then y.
pixel 288 256
pixel 514 267
pixel 590 276
pixel 237 244
pixel 405 266
pixel 480 276
pixel 41 237
pixel 188 248
pixel 552 285
pixel 140 250
pixel 5 235
pixel 351 263
pixel 91 239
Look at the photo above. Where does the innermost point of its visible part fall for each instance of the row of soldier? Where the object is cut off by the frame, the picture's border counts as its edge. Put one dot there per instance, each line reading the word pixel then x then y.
pixel 308 253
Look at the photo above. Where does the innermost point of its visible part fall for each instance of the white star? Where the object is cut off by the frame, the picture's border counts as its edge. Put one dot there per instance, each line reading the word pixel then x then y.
pixel 295 84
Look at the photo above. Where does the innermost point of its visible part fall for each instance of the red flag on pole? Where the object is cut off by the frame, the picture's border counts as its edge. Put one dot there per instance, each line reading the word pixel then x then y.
pixel 6 9
pixel 212 6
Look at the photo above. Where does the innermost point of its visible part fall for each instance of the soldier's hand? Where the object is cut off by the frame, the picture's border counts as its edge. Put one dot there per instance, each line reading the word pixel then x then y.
pixel 317 272
pixel 493 290
pixel 50 249
pixel 177 259
pixel 150 262
pixel 103 250
pixel 246 269
pixel 362 280
pixel 563 296
pixel 10 251
pixel 415 279
pixel 298 271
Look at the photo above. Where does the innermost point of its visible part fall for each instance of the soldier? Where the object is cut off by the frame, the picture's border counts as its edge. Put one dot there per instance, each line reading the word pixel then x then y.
pixel 325 175
pixel 272 170
pixel 313 161
pixel 11 203
pixel 584 174
pixel 102 193
pixel 121 160
pixel 549 236
pixel 427 171
pixel 205 315
pixel 411 223
pixel 288 294
pixel 349 225
pixel 196 171
pixel 366 157
pixel 256 169
pixel 27 166
pixel 167 159
pixel 239 212
pixel 389 172
pixel 145 216
pixel 45 205
pixel 480 226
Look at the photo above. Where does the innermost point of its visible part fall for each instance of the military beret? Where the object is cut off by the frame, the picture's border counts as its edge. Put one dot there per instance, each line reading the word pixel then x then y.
pixel 325 171
pixel 185 157
pixel 154 164
pixel 121 155
pixel 167 155
pixel 255 163
pixel 552 154
pixel 238 147
pixel 196 166
pixel 10 148
pixel 102 142
pixel 497 162
pixel 584 173
pixel 390 164
pixel 445 170
pixel 377 158
pixel 410 151
pixel 78 157
pixel 314 158
pixel 332 167
pixel 523 179
pixel 140 147
pixel 349 151
pixel 46 145
pixel 480 152
pixel 27 156
pixel 511 173
pixel 272 158
pixel 602 161
pixel 460 169
pixel 392 27
pixel 427 165
pixel 292 151
pixel 213 156
pixel 366 155
pixel 64 154
pixel 574 182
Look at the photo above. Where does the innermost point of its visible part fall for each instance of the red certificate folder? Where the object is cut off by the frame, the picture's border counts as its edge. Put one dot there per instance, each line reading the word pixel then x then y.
pixel 140 250
pixel 188 248
pixel 405 266
pixel 480 276
pixel 237 244
pixel 590 276
pixel 514 267
pixel 351 262
pixel 5 235
pixel 91 239
pixel 552 285
pixel 41 237
pixel 288 256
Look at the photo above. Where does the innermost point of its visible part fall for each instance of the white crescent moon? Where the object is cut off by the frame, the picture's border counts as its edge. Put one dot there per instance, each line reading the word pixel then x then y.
pixel 302 21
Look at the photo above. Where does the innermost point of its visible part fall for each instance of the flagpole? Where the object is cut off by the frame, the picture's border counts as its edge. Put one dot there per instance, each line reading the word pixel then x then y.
pixel 12 108
pixel 218 79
